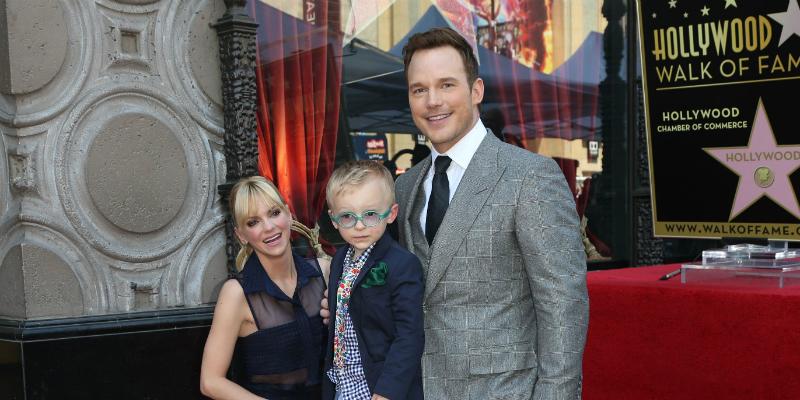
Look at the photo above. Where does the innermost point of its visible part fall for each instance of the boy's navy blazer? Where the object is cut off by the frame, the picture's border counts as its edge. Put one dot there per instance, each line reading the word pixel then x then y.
pixel 388 321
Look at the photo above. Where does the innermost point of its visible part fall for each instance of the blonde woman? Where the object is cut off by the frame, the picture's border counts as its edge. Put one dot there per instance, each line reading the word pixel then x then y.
pixel 271 309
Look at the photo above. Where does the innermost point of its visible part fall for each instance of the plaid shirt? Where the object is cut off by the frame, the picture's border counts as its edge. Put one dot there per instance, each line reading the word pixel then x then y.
pixel 351 383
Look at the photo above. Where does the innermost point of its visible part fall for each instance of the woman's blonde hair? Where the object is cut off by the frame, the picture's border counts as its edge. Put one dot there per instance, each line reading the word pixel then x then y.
pixel 246 195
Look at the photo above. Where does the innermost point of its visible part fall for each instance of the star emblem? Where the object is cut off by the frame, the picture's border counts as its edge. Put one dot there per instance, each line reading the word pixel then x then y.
pixel 790 19
pixel 705 10
pixel 673 3
pixel 685 15
pixel 763 167
pixel 730 3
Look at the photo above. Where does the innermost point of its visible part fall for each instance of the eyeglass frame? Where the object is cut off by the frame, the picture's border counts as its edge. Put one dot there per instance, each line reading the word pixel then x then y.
pixel 360 217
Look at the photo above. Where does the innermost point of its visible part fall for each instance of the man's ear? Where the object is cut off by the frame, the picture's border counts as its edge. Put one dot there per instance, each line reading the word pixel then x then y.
pixel 393 213
pixel 477 91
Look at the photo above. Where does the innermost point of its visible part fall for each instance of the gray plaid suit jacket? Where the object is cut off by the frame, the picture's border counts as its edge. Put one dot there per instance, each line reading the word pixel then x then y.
pixel 506 306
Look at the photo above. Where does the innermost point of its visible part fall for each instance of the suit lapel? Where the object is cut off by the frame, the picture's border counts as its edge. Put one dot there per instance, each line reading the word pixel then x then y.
pixel 421 248
pixel 378 252
pixel 473 191
pixel 414 237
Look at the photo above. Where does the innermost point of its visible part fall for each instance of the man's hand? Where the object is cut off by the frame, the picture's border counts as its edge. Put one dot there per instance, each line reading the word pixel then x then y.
pixel 378 397
pixel 324 312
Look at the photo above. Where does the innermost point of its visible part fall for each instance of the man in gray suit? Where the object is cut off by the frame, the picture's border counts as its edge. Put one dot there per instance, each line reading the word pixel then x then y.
pixel 506 307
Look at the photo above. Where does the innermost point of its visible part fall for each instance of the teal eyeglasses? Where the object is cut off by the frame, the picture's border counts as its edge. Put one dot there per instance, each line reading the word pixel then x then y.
pixel 369 218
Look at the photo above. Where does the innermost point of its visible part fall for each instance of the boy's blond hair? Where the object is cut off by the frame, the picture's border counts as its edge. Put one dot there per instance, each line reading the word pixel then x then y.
pixel 354 173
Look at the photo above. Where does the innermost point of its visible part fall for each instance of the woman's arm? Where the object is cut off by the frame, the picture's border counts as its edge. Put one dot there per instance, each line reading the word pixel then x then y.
pixel 229 315
pixel 325 266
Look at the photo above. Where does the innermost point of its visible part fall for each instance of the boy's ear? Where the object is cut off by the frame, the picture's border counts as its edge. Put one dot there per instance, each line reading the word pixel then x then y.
pixel 330 215
pixel 393 214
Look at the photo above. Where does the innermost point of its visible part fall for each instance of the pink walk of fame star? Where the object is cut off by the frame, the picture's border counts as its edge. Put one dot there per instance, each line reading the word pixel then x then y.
pixel 763 167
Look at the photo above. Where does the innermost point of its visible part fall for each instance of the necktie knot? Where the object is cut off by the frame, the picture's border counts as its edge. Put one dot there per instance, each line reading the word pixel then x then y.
pixel 441 164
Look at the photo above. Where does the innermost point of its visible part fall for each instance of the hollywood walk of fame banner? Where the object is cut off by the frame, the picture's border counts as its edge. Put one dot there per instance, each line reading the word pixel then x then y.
pixel 722 81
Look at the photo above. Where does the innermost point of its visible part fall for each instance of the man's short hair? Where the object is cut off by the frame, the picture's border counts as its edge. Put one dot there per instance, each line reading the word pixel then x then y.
pixel 441 37
pixel 355 173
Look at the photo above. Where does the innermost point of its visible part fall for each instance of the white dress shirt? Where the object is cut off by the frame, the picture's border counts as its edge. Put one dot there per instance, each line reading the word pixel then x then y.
pixel 461 153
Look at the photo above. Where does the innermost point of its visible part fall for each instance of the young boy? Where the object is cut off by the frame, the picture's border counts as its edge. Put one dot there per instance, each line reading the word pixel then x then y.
pixel 375 335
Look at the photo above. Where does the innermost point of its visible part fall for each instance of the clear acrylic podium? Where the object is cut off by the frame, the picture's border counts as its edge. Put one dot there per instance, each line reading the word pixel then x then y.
pixel 773 265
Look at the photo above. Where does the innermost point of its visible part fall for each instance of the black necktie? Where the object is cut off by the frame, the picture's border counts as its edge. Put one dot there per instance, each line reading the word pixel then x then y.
pixel 440 198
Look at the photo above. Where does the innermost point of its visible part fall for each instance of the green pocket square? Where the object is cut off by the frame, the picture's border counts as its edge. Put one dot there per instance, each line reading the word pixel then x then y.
pixel 376 276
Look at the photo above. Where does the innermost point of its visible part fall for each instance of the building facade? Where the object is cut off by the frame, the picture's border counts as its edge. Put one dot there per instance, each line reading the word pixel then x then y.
pixel 123 123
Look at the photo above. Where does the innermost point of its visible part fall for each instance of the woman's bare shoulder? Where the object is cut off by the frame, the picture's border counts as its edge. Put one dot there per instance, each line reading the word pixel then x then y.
pixel 231 292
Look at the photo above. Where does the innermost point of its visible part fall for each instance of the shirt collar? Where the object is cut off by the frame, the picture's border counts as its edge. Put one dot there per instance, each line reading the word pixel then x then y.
pixel 255 278
pixel 461 153
pixel 364 256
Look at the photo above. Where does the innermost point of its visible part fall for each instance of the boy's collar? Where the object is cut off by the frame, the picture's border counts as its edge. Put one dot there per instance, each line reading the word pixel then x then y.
pixel 379 250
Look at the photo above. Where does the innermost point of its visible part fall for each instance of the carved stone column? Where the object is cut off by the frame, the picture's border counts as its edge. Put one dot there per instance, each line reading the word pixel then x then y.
pixel 237 50
pixel 608 211
pixel 647 249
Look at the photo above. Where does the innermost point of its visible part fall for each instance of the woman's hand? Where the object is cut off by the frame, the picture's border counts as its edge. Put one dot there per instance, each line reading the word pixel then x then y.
pixel 324 312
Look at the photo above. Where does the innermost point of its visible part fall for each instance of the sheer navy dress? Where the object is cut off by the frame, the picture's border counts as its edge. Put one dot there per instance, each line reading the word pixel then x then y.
pixel 282 360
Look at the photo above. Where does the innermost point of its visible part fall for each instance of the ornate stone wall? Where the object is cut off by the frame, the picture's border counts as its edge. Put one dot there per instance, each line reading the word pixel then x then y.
pixel 111 150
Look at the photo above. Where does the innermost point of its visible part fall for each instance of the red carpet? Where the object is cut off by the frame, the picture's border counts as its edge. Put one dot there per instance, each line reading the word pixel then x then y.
pixel 652 339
